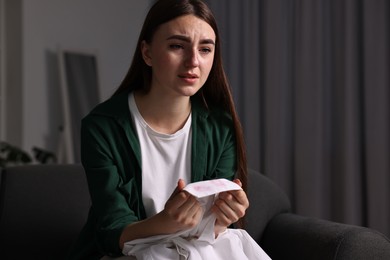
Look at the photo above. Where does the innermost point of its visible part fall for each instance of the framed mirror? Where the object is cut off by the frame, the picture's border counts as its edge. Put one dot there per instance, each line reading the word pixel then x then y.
pixel 79 94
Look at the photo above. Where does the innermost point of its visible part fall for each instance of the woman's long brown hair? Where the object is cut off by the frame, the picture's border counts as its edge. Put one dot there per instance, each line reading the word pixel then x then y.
pixel 216 89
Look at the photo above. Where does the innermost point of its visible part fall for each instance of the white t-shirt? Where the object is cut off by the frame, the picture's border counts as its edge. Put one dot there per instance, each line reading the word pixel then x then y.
pixel 166 158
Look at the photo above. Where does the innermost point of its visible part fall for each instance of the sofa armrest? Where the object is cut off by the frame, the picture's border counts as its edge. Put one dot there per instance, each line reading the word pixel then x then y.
pixel 290 236
pixel 267 200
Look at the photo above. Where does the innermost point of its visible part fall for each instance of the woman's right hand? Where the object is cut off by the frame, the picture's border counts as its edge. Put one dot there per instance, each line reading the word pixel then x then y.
pixel 182 210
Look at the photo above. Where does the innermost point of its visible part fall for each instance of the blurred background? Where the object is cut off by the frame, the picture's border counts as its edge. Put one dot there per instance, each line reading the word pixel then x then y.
pixel 310 79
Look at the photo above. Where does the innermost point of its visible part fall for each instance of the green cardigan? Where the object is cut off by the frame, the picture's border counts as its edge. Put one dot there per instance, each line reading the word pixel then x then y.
pixel 111 157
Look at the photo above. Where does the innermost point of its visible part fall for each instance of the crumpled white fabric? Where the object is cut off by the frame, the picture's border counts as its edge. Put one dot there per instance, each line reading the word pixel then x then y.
pixel 199 243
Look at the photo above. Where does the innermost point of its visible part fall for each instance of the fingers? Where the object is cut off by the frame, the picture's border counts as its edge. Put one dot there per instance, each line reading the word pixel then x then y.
pixel 182 210
pixel 237 181
pixel 230 206
pixel 189 203
pixel 187 215
pixel 238 196
pixel 190 212
pixel 180 186
pixel 181 200
pixel 228 210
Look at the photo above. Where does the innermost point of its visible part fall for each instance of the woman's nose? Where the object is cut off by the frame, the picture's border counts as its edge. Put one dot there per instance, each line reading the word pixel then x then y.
pixel 192 59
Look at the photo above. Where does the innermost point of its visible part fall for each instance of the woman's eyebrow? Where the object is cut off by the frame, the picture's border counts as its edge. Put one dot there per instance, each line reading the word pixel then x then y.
pixel 188 39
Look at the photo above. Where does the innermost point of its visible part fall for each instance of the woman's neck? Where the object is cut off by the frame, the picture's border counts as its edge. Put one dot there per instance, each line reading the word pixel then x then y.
pixel 163 113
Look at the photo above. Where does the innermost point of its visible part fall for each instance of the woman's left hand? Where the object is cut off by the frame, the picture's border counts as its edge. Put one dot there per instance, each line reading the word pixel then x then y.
pixel 229 208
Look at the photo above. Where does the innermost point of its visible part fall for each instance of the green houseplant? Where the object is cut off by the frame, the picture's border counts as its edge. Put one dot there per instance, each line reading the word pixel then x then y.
pixel 11 155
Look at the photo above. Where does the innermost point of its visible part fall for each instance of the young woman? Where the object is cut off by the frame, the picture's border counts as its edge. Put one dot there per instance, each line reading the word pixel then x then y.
pixel 172 121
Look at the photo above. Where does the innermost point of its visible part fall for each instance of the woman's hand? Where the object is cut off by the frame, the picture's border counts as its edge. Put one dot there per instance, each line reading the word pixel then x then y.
pixel 228 208
pixel 182 210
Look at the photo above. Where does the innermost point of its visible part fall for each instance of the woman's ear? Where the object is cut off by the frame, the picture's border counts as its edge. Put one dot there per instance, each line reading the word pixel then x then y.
pixel 145 50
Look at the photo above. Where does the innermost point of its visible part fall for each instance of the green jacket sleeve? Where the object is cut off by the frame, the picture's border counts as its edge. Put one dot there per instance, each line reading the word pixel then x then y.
pixel 214 146
pixel 109 187
pixel 224 140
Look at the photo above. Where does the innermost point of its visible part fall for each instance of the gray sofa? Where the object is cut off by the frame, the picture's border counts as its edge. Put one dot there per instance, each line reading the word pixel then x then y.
pixel 43 207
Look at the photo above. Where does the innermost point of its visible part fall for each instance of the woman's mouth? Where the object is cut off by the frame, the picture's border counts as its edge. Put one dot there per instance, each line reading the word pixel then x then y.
pixel 189 78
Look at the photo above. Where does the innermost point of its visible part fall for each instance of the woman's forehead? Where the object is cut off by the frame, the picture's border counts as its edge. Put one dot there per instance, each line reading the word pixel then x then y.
pixel 189 26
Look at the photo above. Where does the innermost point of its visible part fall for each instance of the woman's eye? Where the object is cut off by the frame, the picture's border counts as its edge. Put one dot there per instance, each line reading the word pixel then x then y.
pixel 175 46
pixel 205 50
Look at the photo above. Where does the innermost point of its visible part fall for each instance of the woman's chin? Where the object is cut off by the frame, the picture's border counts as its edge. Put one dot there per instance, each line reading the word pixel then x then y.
pixel 189 91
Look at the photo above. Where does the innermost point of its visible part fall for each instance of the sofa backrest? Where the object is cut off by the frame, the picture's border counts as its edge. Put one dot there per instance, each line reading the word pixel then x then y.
pixel 42 210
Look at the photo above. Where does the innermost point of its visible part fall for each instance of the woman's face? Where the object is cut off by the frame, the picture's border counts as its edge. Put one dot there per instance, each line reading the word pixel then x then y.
pixel 181 55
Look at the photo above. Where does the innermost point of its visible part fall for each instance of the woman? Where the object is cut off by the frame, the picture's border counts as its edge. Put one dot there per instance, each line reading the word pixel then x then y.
pixel 172 121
